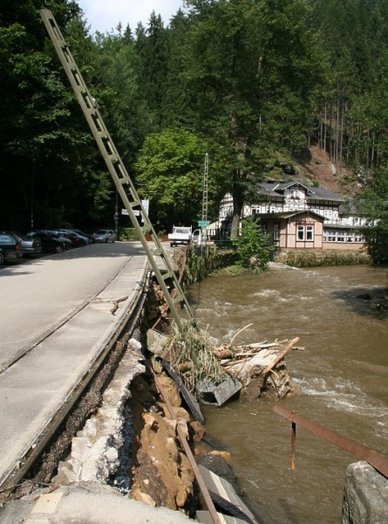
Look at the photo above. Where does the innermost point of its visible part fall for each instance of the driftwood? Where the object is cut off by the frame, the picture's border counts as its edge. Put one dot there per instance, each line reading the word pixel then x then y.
pixel 214 374
pixel 254 388
pixel 260 366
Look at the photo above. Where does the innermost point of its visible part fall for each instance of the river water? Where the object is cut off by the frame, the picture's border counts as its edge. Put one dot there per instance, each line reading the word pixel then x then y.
pixel 342 376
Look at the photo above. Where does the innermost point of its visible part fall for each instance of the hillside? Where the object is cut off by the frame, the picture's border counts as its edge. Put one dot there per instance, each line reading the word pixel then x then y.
pixel 321 171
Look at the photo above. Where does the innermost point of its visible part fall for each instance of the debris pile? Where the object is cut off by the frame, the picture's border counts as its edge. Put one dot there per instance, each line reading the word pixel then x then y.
pixel 260 367
pixel 215 373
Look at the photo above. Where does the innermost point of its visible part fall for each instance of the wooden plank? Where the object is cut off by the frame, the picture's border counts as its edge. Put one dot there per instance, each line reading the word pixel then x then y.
pixel 190 400
pixel 225 497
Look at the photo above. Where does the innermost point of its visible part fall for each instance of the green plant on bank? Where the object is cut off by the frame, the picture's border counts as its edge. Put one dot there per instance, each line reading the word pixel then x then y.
pixel 128 233
pixel 304 258
pixel 202 262
pixel 253 246
pixel 191 355
pixel 229 271
pixel 377 240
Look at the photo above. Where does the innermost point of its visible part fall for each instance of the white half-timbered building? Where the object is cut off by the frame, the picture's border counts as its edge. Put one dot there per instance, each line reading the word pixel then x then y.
pixel 297 216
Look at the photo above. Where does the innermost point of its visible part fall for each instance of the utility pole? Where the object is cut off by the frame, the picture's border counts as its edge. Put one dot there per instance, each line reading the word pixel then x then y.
pixel 116 215
pixel 204 222
pixel 205 188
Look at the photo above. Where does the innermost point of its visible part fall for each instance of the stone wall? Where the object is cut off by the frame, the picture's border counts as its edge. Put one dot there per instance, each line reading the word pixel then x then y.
pixel 201 261
pixel 365 495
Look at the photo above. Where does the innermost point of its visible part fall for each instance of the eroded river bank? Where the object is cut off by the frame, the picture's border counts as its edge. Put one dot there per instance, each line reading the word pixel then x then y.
pixel 342 376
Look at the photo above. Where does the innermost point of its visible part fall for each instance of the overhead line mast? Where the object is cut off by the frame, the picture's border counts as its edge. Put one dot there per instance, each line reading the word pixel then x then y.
pixel 205 197
pixel 123 182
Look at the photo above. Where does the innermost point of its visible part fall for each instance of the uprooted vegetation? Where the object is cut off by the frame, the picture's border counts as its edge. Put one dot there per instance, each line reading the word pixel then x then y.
pixel 197 359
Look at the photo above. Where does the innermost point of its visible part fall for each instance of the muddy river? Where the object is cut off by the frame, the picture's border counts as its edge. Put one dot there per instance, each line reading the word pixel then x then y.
pixel 342 377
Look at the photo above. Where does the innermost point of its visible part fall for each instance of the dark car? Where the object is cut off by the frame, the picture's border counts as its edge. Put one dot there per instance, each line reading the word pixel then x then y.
pixel 86 235
pixel 10 247
pixel 50 243
pixel 75 238
pixel 31 247
pixel 104 235
pixel 67 243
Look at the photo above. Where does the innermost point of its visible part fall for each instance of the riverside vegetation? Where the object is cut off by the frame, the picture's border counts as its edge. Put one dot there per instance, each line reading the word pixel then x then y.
pixel 256 84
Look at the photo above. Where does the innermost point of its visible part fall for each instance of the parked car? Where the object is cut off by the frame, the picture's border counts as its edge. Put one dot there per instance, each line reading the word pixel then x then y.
pixel 86 235
pixel 74 239
pixel 30 246
pixel 104 235
pixel 10 247
pixel 50 242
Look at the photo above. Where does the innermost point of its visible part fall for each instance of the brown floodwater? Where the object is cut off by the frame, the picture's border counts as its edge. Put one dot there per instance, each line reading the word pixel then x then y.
pixel 342 377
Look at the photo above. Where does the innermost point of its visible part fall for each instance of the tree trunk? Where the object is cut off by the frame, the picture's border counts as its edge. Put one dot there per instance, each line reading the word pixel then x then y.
pixel 235 223
pixel 238 202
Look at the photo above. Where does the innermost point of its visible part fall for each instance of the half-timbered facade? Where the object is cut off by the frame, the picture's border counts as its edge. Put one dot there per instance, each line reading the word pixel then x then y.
pixel 300 217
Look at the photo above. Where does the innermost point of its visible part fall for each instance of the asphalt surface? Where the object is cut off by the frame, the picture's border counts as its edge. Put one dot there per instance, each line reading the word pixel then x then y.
pixel 87 503
pixel 65 307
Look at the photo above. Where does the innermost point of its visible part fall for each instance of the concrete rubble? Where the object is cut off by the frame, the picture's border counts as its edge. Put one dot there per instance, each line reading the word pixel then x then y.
pixel 94 453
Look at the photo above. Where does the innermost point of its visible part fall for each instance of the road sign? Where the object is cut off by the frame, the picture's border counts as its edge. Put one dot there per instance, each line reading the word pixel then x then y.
pixel 203 223
pixel 136 212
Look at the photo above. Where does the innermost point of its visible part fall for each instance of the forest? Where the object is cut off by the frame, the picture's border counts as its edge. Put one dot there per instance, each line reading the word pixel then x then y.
pixel 252 83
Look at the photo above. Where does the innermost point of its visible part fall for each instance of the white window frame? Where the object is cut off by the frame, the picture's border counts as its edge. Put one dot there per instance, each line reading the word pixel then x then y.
pixel 305 233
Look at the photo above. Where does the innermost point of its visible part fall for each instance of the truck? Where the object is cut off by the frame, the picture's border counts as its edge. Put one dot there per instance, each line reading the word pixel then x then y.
pixel 180 235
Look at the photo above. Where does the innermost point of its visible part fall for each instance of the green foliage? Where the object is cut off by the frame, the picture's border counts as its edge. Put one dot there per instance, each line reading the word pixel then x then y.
pixel 253 69
pixel 207 260
pixel 253 246
pixel 170 173
pixel 191 355
pixel 306 258
pixel 39 138
pixel 128 233
pixel 243 80
pixel 373 203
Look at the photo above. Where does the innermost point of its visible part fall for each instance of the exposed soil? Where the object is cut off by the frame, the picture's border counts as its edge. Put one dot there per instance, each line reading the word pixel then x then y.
pixel 161 475
pixel 320 170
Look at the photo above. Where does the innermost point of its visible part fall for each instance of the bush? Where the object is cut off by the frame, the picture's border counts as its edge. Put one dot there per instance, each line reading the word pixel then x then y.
pixel 377 240
pixel 253 246
pixel 128 233
pixel 305 258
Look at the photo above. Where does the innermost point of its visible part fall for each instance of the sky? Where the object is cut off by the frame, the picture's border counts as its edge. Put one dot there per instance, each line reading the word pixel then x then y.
pixel 105 15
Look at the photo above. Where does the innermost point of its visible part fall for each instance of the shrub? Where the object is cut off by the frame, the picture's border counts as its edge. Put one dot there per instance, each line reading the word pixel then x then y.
pixel 253 246
pixel 128 233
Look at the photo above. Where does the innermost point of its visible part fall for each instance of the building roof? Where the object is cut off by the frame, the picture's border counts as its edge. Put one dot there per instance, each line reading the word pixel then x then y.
pixel 276 189
pixel 289 214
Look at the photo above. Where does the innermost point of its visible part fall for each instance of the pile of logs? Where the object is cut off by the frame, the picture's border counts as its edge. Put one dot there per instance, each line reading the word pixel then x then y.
pixel 260 367
pixel 213 374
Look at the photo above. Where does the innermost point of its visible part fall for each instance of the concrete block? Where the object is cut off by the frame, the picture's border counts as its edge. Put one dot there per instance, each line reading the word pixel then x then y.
pixel 365 495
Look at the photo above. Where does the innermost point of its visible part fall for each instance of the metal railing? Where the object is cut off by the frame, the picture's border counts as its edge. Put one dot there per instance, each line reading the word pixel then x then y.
pixel 361 452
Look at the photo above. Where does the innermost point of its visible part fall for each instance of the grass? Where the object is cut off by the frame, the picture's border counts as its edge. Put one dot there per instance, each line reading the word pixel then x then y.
pixel 190 352
pixel 304 258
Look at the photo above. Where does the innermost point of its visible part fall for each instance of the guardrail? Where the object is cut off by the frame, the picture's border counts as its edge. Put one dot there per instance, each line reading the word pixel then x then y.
pixel 361 452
